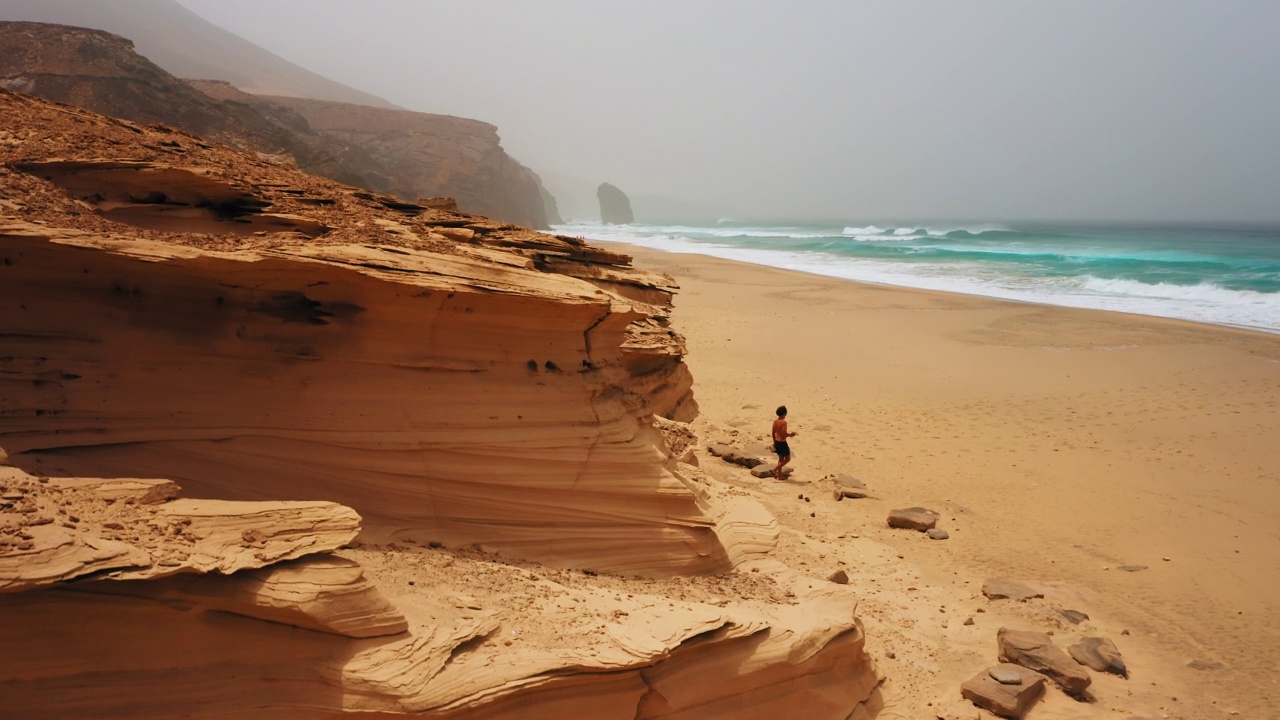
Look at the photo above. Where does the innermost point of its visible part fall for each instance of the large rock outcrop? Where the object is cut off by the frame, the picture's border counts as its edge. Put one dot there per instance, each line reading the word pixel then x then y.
pixel 118 600
pixel 615 207
pixel 411 154
pixel 299 351
pixel 463 392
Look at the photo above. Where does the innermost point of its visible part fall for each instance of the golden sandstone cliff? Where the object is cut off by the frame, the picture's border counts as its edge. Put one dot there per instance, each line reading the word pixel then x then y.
pixel 415 430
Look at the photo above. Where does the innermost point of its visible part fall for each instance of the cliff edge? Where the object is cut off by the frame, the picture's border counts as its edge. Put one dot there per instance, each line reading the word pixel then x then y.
pixel 298 352
pixel 413 155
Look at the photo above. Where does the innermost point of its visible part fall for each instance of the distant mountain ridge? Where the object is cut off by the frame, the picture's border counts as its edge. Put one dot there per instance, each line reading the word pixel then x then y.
pixel 99 71
pixel 412 155
pixel 407 154
pixel 189 46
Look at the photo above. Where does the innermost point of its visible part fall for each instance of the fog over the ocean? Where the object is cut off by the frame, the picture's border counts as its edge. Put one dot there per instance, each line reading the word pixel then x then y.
pixel 833 109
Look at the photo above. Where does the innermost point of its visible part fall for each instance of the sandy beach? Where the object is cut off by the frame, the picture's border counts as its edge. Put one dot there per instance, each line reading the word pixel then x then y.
pixel 1058 445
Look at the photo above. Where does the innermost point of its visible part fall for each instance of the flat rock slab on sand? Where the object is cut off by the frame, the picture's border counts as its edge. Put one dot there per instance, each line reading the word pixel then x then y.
pixel 913 518
pixel 1036 651
pixel 1004 588
pixel 848 486
pixel 765 470
pixel 1000 696
pixel 734 455
pixel 1099 654
pixel 1075 617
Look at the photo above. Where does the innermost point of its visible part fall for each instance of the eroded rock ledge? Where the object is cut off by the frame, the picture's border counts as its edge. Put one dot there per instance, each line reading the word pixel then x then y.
pixel 478 393
pixel 452 378
pixel 217 608
pixel 445 398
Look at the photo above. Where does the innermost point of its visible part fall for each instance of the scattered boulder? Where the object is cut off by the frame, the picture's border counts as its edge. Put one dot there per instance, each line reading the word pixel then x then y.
pixel 913 518
pixel 1131 568
pixel 1035 650
pixel 615 206
pixel 1099 654
pixel 1199 664
pixel 1075 617
pixel 839 577
pixel 733 455
pixel 764 470
pixel 1004 588
pixel 1010 700
pixel 850 487
pixel 937 534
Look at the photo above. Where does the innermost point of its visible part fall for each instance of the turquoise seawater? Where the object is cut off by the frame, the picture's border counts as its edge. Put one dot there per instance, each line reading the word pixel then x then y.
pixel 1219 275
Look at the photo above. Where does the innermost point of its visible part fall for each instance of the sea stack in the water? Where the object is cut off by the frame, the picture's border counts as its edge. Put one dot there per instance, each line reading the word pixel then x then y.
pixel 615 208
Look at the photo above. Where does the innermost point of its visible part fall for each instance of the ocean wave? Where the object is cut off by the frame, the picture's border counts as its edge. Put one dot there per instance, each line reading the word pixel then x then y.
pixel 966 230
pixel 868 230
pixel 1206 293
pixel 973 270
pixel 925 230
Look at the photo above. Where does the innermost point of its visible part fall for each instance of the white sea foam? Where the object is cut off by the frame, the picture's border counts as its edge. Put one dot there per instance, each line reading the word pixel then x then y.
pixel 923 230
pixel 1202 303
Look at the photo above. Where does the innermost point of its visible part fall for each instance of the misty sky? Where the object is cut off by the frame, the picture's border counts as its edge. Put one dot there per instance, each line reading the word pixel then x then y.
pixel 815 109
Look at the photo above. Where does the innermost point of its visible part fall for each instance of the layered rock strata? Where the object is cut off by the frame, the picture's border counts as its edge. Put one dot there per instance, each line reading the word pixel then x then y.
pixel 302 351
pixel 462 392
pixel 119 601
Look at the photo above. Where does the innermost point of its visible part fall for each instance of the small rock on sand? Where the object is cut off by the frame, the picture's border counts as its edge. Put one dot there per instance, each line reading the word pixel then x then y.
pixel 1131 568
pixel 733 455
pixel 1005 675
pixel 913 518
pixel 1075 617
pixel 766 469
pixel 1099 654
pixel 1002 588
pixel 849 487
pixel 937 534
pixel 1199 664
pixel 1010 701
pixel 1035 650
pixel 839 577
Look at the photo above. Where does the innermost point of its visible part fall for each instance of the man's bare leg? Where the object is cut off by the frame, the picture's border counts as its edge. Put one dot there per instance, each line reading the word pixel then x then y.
pixel 777 471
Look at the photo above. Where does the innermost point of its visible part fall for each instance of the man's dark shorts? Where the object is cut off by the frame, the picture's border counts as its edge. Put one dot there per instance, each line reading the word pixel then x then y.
pixel 782 448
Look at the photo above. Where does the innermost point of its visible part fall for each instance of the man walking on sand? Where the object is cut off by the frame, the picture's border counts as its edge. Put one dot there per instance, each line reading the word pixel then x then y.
pixel 780 445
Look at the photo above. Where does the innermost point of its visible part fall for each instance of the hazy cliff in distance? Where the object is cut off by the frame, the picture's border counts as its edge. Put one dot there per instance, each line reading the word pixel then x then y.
pixel 188 46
